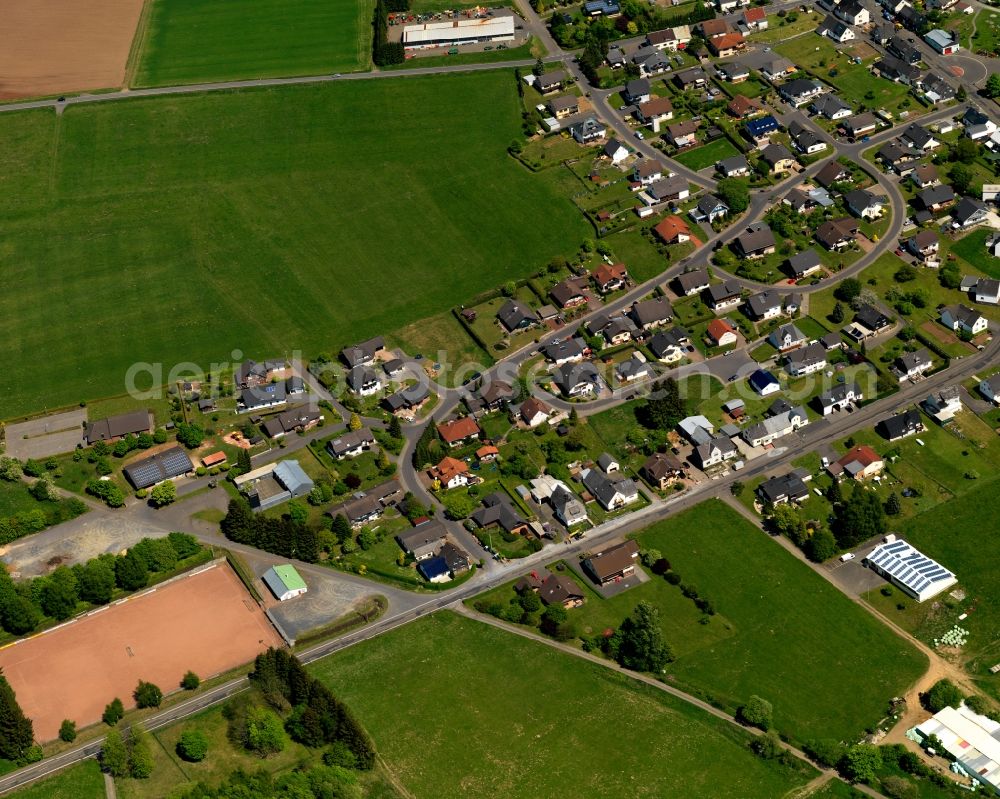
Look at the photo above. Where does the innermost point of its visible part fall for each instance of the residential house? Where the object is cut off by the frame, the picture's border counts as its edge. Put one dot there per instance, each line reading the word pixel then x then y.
pixel 693 78
pixel 364 381
pixel 804 139
pixel 671 189
pixel 734 167
pixel 615 151
pixel 693 282
pixel 635 368
pixel 883 32
pixel 936 198
pixel 116 427
pixel 836 29
pixel 720 333
pixel 800 91
pixel 708 209
pixel 669 346
pixel 724 295
pixel 935 88
pixel 534 412
pixel 756 241
pixel 258 398
pixel 714 27
pixel 616 58
pixel 495 395
pixel 864 204
pixel 647 172
pixel 981 289
pixel 763 433
pixel 943 405
pixel 832 173
pixel 904 48
pixel 726 45
pixel 672 230
pixel 777 67
pixel 755 19
pixel 655 111
pixel 613 564
pixel 407 399
pixel 294 420
pixel 743 107
pixel 569 293
pixel 662 470
pixel 858 463
pixel 944 42
pixel 615 329
pixel 637 91
pixel 837 234
pixel 610 277
pixel 778 158
pixel 763 382
pixel 925 176
pixel 911 19
pixel 990 388
pixel 457 432
pixel 924 244
pixel 969 212
pixel 896 70
pixel 839 397
pixel 830 106
pixel 919 138
pixel 650 61
pixel 784 488
pixel 566 351
pixel 611 493
pixel 799 201
pixel 900 159
pixel 977 125
pixel 786 338
pixel 806 360
pixel 852 12
pixel 672 39
pixel 563 106
pixel 577 379
pixel 551 81
pixel 683 134
pixel 498 511
pixel 867 322
pixel 911 365
pixel 567 507
pixel 696 429
pixel 515 315
pixel 487 453
pixel 451 473
pixel 715 451
pixel 764 305
pixel 649 314
pixel 588 131
pixel 423 540
pixel 759 130
pixel 601 8
pixel 804 263
pixel 961 318
pixel 733 71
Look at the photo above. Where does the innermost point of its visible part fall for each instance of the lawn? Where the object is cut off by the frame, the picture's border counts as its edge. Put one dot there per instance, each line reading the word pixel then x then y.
pixel 951 534
pixel 972 250
pixel 188 41
pixel 518 719
pixel 779 29
pixel 987 34
pixel 229 213
pixel 796 641
pixel 81 781
pixel 707 154
pixel 530 49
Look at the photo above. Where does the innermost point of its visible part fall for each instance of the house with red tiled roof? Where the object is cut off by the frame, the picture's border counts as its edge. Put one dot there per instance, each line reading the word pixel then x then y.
pixel 610 277
pixel 859 463
pixel 673 230
pixel 458 431
pixel 451 472
pixel 755 18
pixel 721 333
pixel 742 107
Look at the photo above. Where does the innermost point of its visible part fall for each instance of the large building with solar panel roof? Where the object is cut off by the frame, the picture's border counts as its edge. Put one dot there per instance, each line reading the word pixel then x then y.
pixel 157 468
pixel 910 570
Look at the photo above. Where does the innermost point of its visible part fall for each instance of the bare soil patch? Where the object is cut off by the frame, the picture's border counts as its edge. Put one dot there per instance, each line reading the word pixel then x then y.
pixel 60 46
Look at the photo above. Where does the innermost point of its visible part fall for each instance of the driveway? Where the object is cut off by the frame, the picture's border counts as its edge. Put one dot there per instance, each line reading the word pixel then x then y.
pixel 48 435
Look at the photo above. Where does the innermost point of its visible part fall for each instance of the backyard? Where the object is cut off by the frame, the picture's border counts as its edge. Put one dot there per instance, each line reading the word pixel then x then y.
pixel 707 154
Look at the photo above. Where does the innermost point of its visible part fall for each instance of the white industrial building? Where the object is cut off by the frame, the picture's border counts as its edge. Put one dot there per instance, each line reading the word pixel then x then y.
pixel 452 33
pixel 910 570
pixel 972 740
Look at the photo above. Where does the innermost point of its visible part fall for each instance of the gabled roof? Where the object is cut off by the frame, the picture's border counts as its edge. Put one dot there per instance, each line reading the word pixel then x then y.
pixel 757 236
pixel 458 429
pixel 829 104
pixel 758 127
pixel 670 227
pixel 830 174
pixel 968 209
pixel 804 261
pixel 733 163
pixel 833 232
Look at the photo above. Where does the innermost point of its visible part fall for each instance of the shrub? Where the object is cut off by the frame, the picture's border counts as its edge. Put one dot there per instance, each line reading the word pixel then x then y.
pixel 192 746
pixel 113 712
pixel 190 681
pixel 146 694
pixel 67 731
pixel 757 712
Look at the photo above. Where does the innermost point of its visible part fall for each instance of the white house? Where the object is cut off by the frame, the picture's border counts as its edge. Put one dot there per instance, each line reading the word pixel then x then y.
pixel 990 388
pixel 285 583
pixel 961 318
pixel 806 360
pixel 766 432
pixel 943 405
pixel 913 364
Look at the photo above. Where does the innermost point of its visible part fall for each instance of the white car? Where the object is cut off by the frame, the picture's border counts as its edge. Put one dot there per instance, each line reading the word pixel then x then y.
pixel 846 557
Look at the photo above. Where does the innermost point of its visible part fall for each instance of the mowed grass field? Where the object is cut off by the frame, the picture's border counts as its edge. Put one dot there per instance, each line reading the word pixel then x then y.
pixel 190 41
pixel 182 228
pixel 459 708
pixel 82 781
pixel 828 666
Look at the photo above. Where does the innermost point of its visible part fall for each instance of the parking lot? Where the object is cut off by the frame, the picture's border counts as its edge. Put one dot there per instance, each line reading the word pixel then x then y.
pixel 48 435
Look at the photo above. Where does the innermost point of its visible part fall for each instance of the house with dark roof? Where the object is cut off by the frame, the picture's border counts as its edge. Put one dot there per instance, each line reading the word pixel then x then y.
pixel 904 48
pixel 799 201
pixel 658 109
pixel 294 420
pixel 763 305
pixel 832 173
pixel 806 360
pixel 804 139
pixel 911 365
pixel 569 350
pixel 577 379
pixel 787 337
pixel 836 29
pixel 613 564
pixel 901 425
pixel 784 488
pixel 963 319
pixel 918 137
pixel 935 89
pixel 864 204
pixel 351 444
pixel 637 91
pixel 423 540
pixel 708 209
pixel 936 198
pixel 257 398
pixel 763 382
pixel 896 70
pixel 925 176
pixel 693 282
pixel 743 107
pixel 115 427
pixel 662 470
pixel 158 468
pixel 898 157
pixel 551 81
pixel 649 314
pixel 668 346
pixel 733 71
pixel 969 212
pixel 498 511
pixel 515 315
pixel 839 397
pixel 670 189
pixel 363 381
pixel 829 106
pixel 727 294
pixel 756 241
pixel 693 78
pixel 804 263
pixel 800 91
pixel 612 493
pixel 837 234
pixel 569 293
pixel 759 130
pixel 778 157
pixel 734 167
pixel 923 244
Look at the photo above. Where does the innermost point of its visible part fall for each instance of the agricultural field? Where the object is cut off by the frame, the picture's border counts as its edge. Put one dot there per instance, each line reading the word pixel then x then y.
pixel 82 781
pixel 548 730
pixel 950 533
pixel 707 154
pixel 796 640
pixel 227 213
pixel 187 41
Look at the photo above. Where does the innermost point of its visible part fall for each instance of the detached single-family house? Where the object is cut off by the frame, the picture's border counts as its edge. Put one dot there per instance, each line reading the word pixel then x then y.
pixel 615 151
pixel 759 130
pixel 935 88
pixel 863 204
pixel 778 157
pixel 784 488
pixel 936 198
pixel 672 230
pixel 662 470
pixel 611 493
pixel 364 381
pixel 961 318
pixel 515 315
pixel 804 139
pixel 787 337
pixel 776 68
pixel 637 91
pixel 911 365
pixel 693 282
pixel 942 405
pixel 668 346
pixel 925 176
pixel 693 78
pixel 743 107
pixel 904 48
pixel 969 212
pixel 567 506
pixel 901 425
pixel 897 70
pixel 564 106
pixel 924 244
pixel 610 277
pixel 655 111
pixel 670 189
pixel 800 91
pixel 724 295
pixel 830 106
pixel 635 368
pixel 774 427
pixel 977 125
pixel 756 241
pixel 733 71
pixel 649 314
pixel 764 383
pixel 806 360
pixel 451 473
pixel 721 333
pixel 900 159
pixel 708 209
pixel 714 451
pixel 734 167
pixel 804 263
pixel 550 81
pixel 569 293
pixel 858 463
pixel 577 379
pixel 990 388
pixel 588 131
pixel 852 12
pixel 982 289
pixel 839 397
pixel 683 134
pixel 836 29
pixel 764 305
pixel 647 172
pixel 351 444
pixel 832 173
pixel 423 540
pixel 837 234
pixel 726 45
pixel 534 412
pixel 919 138
pixel 459 431
pixel 613 564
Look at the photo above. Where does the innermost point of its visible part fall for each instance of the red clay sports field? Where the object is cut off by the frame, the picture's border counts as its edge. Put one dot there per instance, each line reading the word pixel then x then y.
pixel 205 621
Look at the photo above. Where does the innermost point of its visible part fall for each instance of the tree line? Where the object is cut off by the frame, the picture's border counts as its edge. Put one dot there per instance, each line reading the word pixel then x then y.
pixel 317 717
pixel 52 509
pixel 288 536
pixel 384 52
pixel 24 605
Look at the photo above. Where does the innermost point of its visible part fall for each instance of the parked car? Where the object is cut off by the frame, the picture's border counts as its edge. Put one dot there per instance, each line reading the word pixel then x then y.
pixel 846 557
